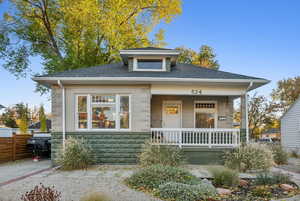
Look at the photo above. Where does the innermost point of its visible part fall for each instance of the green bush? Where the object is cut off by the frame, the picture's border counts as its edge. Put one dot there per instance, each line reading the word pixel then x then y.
pixel 249 157
pixel 161 154
pixel 279 154
pixel 150 178
pixel 268 178
pixel 77 155
pixel 225 177
pixel 186 192
pixel 95 196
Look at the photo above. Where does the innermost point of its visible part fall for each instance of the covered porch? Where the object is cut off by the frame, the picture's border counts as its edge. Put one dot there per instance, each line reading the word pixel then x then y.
pixel 197 121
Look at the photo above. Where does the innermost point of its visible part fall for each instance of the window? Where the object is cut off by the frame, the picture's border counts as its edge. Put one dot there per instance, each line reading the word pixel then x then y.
pixel 205 114
pixel 104 112
pixel 82 112
pixel 109 112
pixel 149 64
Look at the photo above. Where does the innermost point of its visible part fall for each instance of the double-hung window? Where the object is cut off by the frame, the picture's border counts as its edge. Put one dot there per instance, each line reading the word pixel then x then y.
pixel 103 112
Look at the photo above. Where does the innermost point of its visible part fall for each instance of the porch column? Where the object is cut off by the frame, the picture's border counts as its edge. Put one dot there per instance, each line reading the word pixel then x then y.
pixel 244 119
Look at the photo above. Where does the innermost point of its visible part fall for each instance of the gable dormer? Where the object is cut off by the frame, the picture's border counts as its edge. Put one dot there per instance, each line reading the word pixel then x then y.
pixel 149 59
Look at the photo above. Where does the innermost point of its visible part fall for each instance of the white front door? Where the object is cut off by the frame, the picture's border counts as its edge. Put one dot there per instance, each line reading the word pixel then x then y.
pixel 171 114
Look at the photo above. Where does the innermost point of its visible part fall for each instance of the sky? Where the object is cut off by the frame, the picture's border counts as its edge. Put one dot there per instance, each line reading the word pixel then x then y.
pixel 251 37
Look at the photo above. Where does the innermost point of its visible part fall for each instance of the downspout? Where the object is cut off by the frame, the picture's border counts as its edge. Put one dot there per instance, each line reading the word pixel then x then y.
pixel 63 112
pixel 246 111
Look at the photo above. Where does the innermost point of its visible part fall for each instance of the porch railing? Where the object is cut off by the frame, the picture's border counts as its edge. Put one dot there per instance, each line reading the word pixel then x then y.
pixel 196 137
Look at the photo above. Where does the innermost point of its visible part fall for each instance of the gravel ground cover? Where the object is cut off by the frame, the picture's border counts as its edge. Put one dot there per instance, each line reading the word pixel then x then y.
pixel 74 184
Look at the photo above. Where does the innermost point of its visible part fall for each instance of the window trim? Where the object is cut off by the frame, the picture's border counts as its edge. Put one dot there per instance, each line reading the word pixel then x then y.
pixel 207 110
pixel 136 68
pixel 89 113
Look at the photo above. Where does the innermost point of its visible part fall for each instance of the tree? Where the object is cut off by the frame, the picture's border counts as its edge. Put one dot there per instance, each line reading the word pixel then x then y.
pixel 186 56
pixel 286 93
pixel 70 34
pixel 261 112
pixel 23 117
pixel 43 119
pixel 8 118
pixel 205 57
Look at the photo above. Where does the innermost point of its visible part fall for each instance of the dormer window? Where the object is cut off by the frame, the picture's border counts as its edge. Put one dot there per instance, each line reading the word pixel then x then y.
pixel 149 64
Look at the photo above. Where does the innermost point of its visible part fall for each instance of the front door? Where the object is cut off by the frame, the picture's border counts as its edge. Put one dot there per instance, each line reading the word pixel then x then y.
pixel 171 114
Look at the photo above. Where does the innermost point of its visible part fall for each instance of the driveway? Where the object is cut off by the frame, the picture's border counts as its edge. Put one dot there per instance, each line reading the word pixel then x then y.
pixel 17 169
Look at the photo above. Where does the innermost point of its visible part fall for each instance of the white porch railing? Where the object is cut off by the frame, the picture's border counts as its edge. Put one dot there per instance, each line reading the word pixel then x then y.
pixel 196 137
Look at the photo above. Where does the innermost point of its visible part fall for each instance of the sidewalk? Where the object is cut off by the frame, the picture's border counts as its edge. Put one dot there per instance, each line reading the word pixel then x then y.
pixel 18 169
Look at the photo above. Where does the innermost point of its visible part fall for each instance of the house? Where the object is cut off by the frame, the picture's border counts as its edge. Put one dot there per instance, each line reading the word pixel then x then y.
pixel 273 133
pixel 36 127
pixel 149 96
pixel 290 127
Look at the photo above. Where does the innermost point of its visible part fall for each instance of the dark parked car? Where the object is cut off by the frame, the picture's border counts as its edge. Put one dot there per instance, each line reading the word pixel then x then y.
pixel 40 145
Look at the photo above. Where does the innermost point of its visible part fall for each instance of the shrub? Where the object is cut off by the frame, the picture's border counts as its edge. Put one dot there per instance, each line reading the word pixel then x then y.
pixel 42 193
pixel 186 192
pixel 249 157
pixel 268 178
pixel 262 191
pixel 77 155
pixel 150 178
pixel 161 154
pixel 95 196
pixel 225 177
pixel 279 154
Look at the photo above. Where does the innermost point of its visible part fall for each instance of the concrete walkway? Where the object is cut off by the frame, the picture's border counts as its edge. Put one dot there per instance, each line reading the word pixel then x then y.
pixel 17 169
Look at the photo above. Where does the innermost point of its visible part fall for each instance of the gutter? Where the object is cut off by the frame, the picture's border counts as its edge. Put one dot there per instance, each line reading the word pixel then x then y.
pixel 246 111
pixel 63 112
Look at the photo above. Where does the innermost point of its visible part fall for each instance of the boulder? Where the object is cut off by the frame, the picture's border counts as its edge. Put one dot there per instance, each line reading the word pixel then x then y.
pixel 223 191
pixel 243 182
pixel 286 187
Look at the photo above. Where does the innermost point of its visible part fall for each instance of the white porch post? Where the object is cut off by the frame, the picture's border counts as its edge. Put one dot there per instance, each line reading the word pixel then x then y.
pixel 244 116
pixel 63 114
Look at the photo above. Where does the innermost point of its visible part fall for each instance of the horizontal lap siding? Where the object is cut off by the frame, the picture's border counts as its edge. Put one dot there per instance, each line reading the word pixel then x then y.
pixel 107 147
pixel 290 127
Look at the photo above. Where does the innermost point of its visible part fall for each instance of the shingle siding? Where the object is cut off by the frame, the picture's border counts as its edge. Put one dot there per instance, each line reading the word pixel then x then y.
pixel 290 127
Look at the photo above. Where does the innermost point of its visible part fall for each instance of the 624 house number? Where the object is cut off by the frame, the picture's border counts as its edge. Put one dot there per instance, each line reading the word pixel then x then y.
pixel 196 91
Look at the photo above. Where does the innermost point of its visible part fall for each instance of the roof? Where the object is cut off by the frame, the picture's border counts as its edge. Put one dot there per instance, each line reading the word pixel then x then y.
pixel 178 71
pixel 272 130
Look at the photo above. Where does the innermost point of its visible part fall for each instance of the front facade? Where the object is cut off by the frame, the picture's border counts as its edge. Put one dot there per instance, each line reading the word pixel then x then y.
pixel 149 96
pixel 290 127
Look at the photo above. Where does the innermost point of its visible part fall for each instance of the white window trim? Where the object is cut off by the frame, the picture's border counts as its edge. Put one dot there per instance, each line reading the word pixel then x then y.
pixel 89 111
pixel 136 68
pixel 206 110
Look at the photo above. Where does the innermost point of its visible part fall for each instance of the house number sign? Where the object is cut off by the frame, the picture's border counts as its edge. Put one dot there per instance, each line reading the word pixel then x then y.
pixel 196 91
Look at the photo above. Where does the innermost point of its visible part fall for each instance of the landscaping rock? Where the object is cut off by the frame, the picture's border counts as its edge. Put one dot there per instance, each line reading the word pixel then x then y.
pixel 243 182
pixel 223 191
pixel 286 187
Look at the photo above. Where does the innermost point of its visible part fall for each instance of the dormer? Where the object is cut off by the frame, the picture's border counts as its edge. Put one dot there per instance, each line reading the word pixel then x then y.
pixel 149 59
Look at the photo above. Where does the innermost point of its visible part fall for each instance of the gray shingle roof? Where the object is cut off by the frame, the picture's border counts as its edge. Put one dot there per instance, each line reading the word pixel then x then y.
pixel 178 71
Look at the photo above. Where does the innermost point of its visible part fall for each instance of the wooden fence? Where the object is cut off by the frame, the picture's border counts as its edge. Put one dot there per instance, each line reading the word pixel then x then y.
pixel 14 148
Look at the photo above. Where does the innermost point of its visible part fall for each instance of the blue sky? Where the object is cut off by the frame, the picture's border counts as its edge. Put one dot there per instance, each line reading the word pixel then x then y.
pixel 252 37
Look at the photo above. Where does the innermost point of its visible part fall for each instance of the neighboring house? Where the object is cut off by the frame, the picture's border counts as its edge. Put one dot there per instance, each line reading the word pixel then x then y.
pixel 290 127
pixel 148 96
pixel 273 133
pixel 36 127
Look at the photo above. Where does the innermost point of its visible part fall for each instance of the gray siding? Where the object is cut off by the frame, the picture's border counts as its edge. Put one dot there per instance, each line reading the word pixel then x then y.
pixel 290 127
pixel 224 104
